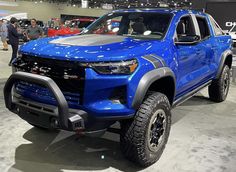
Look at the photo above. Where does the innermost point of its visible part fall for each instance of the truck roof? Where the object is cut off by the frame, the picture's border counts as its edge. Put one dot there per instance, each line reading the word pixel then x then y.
pixel 163 10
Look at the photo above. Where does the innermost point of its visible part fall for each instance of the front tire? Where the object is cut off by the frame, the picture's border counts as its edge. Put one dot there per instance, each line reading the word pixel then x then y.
pixel 143 138
pixel 219 88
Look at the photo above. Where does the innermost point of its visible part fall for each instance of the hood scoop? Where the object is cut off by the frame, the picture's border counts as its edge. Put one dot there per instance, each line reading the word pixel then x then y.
pixel 89 40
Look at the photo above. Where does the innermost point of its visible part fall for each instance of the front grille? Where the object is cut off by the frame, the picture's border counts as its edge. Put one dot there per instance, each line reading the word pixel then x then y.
pixel 33 90
pixel 69 76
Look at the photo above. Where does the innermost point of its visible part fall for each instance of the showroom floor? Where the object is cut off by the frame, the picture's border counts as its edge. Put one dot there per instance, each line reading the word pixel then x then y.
pixel 202 139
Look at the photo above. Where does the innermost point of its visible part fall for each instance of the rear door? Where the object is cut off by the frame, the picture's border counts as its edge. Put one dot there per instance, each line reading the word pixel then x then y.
pixel 208 44
pixel 222 42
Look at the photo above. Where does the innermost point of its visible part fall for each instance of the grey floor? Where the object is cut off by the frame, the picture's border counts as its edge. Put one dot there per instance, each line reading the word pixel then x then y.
pixel 202 139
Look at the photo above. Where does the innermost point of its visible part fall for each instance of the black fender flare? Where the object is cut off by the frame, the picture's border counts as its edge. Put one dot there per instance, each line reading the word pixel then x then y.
pixel 224 56
pixel 146 82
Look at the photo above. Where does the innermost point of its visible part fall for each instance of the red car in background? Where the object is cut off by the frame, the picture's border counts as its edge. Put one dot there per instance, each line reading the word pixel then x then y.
pixel 70 27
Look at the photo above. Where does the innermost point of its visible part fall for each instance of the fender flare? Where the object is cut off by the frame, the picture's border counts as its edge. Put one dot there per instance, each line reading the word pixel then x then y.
pixel 146 82
pixel 224 55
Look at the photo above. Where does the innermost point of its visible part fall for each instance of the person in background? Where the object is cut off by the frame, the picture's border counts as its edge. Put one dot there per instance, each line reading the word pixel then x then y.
pixel 13 38
pixel 34 31
pixel 3 34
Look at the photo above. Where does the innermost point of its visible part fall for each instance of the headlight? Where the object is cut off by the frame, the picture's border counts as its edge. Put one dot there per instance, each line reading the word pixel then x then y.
pixel 122 67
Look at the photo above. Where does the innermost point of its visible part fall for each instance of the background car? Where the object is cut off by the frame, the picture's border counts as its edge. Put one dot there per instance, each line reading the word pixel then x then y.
pixel 232 33
pixel 70 27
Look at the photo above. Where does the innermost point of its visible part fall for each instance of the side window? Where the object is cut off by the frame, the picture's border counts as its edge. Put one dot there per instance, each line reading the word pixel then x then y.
pixel 185 27
pixel 203 27
pixel 217 30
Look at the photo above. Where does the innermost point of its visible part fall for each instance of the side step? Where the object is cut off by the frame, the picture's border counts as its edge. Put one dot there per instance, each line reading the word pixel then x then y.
pixel 190 94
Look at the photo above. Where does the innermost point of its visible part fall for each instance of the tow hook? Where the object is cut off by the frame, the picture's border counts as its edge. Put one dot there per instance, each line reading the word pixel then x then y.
pixel 54 123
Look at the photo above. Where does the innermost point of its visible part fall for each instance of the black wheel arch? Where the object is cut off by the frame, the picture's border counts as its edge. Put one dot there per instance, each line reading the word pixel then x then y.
pixel 226 58
pixel 161 80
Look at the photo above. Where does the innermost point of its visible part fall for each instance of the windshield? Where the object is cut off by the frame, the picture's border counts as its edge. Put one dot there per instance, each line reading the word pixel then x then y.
pixel 40 23
pixel 24 23
pixel 141 25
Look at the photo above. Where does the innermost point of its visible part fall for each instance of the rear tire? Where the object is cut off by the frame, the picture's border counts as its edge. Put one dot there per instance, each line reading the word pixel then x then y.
pixel 143 138
pixel 219 88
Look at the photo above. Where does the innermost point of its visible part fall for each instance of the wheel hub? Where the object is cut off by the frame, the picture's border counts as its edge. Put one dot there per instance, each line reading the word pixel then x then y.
pixel 157 128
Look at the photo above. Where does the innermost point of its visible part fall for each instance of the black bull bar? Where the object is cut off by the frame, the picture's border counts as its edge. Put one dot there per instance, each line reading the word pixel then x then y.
pixel 66 120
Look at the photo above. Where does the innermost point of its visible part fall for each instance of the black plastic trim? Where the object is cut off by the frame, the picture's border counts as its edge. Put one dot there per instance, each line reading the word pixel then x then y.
pixel 115 118
pixel 146 82
pixel 222 61
pixel 63 112
pixel 190 94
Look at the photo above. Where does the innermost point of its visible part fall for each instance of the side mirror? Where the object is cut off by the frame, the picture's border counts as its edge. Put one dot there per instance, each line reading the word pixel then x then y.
pixel 187 39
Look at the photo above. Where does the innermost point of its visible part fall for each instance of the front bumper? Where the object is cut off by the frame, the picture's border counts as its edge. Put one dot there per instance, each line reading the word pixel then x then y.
pixel 49 116
pixel 101 96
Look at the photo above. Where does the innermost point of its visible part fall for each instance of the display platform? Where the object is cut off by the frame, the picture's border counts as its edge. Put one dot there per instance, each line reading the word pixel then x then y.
pixel 202 137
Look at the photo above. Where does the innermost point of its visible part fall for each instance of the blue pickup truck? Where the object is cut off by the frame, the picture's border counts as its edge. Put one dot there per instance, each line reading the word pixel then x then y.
pixel 134 72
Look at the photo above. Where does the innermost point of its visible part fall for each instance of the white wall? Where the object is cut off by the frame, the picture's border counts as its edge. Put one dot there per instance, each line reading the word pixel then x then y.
pixel 44 11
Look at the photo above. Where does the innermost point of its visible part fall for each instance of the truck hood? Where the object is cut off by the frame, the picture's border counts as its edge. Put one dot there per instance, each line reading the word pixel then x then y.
pixel 91 47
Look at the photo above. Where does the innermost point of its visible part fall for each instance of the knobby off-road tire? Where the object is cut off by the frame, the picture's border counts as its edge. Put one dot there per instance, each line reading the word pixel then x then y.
pixel 143 138
pixel 219 88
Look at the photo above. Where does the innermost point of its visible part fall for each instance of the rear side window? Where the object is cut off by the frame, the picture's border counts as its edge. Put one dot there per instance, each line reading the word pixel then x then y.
pixel 203 27
pixel 217 30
